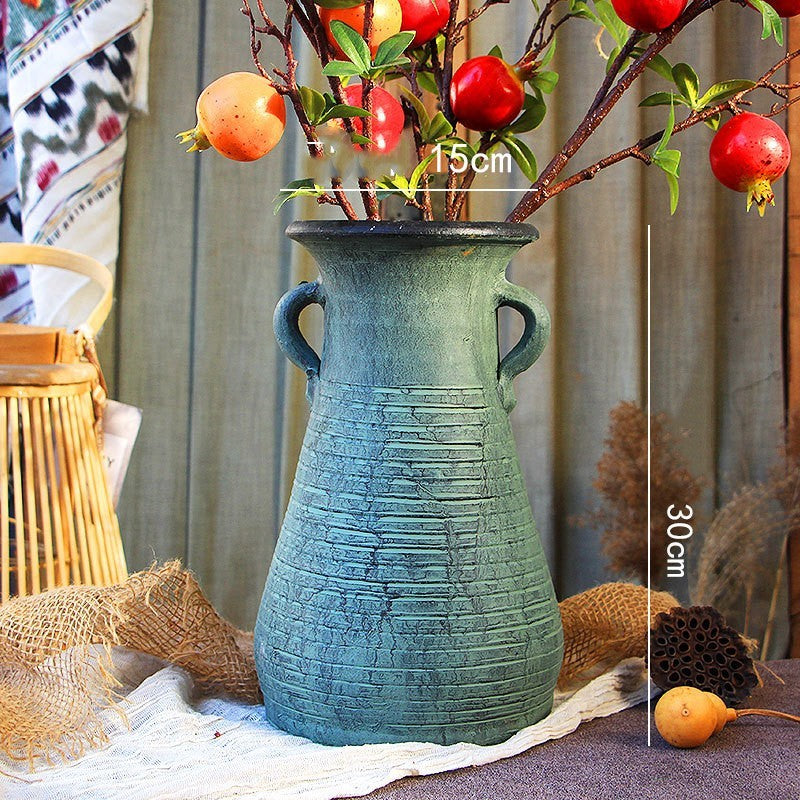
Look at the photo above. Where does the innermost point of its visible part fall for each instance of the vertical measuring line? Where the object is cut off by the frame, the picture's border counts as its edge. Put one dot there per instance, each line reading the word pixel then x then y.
pixel 649 464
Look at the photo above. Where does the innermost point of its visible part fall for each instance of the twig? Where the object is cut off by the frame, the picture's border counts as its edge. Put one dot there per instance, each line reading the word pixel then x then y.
pixel 289 87
pixel 486 142
pixel 472 16
pixel 539 25
pixel 369 196
pixel 638 150
pixel 346 205
pixel 605 100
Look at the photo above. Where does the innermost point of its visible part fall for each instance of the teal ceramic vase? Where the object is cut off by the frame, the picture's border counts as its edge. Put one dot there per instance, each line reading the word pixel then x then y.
pixel 409 598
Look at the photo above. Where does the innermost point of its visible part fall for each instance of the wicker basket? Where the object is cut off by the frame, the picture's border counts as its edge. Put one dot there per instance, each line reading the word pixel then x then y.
pixel 57 519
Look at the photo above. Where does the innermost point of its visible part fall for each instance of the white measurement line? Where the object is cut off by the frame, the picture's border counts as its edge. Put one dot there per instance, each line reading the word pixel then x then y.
pixel 649 467
pixel 359 189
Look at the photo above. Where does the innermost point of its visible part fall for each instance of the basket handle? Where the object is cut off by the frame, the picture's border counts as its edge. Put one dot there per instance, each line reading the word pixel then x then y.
pixel 42 255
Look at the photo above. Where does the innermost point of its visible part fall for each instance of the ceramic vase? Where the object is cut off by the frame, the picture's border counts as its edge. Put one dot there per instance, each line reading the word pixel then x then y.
pixel 409 597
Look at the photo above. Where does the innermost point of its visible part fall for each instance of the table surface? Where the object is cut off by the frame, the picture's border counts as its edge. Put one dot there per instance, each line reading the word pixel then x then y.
pixel 755 758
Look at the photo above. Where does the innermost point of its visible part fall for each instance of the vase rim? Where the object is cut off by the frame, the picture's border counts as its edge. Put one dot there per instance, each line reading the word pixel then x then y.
pixel 434 232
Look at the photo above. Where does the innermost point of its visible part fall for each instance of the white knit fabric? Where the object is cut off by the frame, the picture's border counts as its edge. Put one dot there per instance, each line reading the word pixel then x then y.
pixel 170 749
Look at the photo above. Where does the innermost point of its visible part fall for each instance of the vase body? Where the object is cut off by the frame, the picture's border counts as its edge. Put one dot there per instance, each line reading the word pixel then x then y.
pixel 409 598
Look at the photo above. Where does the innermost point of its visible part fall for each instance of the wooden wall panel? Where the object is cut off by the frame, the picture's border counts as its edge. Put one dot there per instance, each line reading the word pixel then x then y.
pixel 598 296
pixel 793 327
pixel 683 357
pixel 240 272
pixel 535 268
pixel 154 277
pixel 204 262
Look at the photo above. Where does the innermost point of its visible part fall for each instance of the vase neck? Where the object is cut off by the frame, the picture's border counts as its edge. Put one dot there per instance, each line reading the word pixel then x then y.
pixel 411 310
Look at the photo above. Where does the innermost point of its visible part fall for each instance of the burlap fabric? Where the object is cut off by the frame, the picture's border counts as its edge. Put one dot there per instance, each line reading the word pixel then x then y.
pixel 53 686
pixel 604 625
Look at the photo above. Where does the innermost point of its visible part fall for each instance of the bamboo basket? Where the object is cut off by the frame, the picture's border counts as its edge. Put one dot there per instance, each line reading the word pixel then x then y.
pixel 57 520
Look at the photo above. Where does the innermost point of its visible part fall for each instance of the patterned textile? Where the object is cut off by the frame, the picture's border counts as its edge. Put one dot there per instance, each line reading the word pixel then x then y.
pixel 16 299
pixel 76 68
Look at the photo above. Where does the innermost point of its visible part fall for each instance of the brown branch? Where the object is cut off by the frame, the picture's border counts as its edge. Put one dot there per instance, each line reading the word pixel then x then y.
pixel 473 15
pixel 341 197
pixel 638 150
pixel 605 100
pixel 539 25
pixel 411 114
pixel 533 52
pixel 368 194
pixel 289 86
pixel 486 142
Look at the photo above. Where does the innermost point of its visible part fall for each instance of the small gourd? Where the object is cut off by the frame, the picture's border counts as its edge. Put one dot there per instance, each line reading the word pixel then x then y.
pixel 687 717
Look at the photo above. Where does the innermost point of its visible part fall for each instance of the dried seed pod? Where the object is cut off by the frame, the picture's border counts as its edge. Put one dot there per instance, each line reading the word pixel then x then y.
pixel 695 647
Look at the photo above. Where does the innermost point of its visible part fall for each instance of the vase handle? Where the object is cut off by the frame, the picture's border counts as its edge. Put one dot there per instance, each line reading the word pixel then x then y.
pixel 287 330
pixel 529 347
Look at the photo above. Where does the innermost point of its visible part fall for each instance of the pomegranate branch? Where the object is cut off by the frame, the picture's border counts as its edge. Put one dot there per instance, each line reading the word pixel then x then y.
pixel 639 149
pixel 605 100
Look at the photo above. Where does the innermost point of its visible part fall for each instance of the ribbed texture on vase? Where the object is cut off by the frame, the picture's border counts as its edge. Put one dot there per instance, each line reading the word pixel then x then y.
pixel 408 597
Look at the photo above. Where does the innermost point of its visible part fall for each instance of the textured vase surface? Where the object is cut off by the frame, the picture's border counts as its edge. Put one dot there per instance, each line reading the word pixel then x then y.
pixel 409 598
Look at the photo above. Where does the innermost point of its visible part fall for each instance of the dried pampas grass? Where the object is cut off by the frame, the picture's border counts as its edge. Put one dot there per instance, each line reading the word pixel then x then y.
pixel 745 546
pixel 622 485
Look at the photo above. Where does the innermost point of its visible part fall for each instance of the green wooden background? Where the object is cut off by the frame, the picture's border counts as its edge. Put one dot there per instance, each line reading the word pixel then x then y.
pixel 203 262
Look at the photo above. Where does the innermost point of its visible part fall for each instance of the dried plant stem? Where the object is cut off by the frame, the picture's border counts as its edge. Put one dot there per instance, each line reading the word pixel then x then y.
pixel 773 603
pixel 765 712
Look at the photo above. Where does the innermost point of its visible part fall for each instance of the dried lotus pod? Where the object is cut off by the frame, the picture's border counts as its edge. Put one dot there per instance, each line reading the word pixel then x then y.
pixel 695 647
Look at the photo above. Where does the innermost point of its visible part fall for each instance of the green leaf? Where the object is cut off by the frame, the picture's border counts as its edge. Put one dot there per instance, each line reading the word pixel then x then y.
pixel 427 82
pixel 713 122
pixel 438 127
pixel 523 155
pixel 465 149
pixel 667 135
pixel 398 62
pixel 352 44
pixel 419 107
pixel 496 51
pixel 419 171
pixel 723 91
pixel 533 113
pixel 612 23
pixel 580 9
pixel 545 81
pixel 341 69
pixel 771 22
pixel 661 66
pixel 341 111
pixel 662 99
pixel 688 83
pixel 548 55
pixel 392 48
pixel 674 192
pixel 339 3
pixel 313 104
pixel 669 161
pixel 305 187
pixel 357 138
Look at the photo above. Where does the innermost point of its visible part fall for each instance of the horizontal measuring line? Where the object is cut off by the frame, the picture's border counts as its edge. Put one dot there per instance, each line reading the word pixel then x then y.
pixel 359 189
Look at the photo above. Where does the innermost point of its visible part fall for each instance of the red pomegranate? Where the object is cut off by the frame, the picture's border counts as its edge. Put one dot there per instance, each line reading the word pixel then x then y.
pixel 486 94
pixel 426 17
pixel 649 16
pixel 388 117
pixel 747 154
